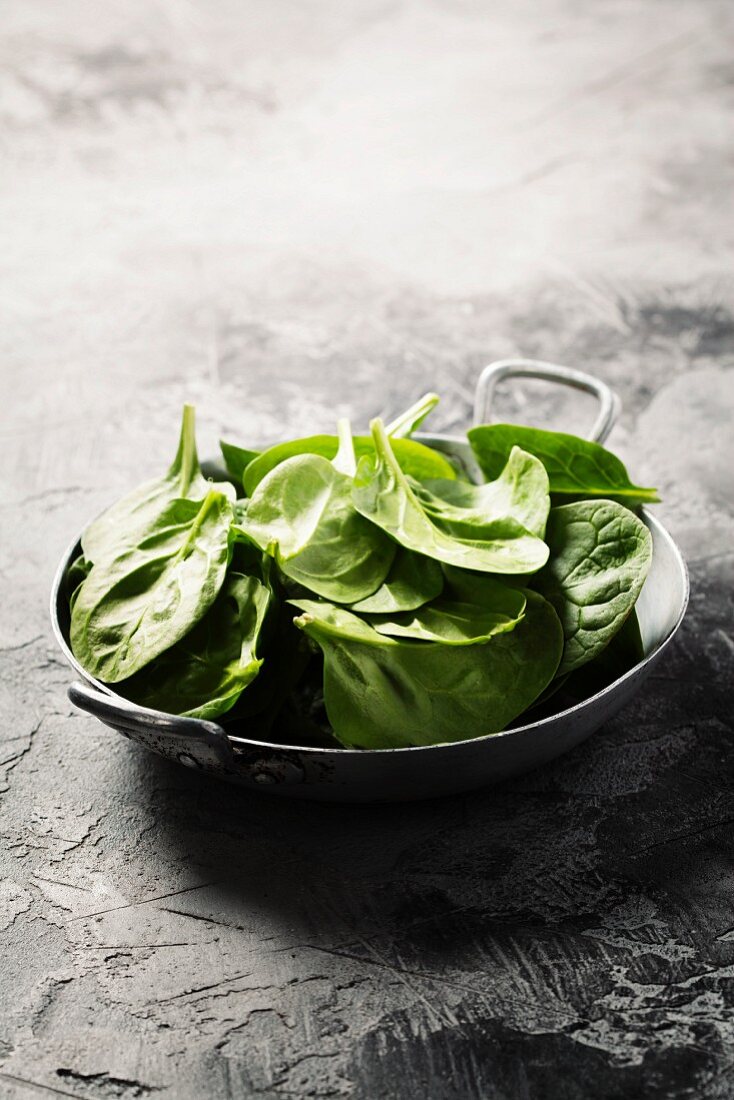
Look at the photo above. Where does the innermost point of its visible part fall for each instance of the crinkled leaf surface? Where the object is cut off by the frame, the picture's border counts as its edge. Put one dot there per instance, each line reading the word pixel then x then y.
pixel 133 607
pixel 600 556
pixel 204 674
pixel 412 581
pixel 520 493
pixel 121 526
pixel 391 693
pixel 302 514
pixel 384 495
pixel 575 466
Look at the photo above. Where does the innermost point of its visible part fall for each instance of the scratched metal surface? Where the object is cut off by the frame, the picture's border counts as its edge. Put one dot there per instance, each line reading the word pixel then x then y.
pixel 285 212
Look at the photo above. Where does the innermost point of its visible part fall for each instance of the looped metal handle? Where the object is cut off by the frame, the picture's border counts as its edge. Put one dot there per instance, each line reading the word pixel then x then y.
pixel 192 741
pixel 551 372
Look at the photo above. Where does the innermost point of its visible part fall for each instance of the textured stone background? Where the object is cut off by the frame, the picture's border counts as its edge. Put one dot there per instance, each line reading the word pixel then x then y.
pixel 290 210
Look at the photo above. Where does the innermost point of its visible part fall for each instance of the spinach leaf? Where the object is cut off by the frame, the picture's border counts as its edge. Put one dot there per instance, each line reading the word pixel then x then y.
pixel 120 527
pixel 302 514
pixel 77 572
pixel 455 623
pixel 386 693
pixel 204 674
pixel 575 466
pixel 384 495
pixel 412 581
pixel 468 586
pixel 415 458
pixel 405 424
pixel 133 607
pixel 600 556
pixel 236 459
pixel 175 594
pixel 624 651
pixel 289 663
pixel 520 492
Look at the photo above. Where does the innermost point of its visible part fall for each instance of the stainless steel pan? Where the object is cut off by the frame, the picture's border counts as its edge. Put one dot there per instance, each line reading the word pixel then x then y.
pixel 410 773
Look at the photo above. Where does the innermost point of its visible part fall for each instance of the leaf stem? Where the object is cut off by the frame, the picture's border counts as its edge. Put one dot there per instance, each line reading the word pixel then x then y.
pixel 186 463
pixel 345 460
pixel 384 451
pixel 412 418
pixel 201 515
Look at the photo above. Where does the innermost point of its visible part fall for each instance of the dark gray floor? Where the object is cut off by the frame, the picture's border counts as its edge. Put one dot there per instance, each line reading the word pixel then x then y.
pixel 283 212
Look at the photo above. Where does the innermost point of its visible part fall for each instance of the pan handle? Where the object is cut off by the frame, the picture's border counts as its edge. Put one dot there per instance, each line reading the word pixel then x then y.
pixel 192 741
pixel 609 403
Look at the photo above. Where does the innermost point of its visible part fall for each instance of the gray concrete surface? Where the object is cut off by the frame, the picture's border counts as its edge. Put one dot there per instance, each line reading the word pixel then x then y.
pixel 284 211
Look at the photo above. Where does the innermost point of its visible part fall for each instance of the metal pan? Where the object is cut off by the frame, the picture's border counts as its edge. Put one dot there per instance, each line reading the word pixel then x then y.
pixel 378 775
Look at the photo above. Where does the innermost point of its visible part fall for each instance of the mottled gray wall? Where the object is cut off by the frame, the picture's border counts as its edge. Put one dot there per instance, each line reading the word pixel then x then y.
pixel 285 211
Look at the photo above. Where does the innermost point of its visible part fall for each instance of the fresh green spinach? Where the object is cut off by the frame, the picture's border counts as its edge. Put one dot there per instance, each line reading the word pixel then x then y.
pixel 519 493
pixel 302 514
pixel 412 581
pixel 133 607
pixel 469 586
pixel 600 556
pixel 405 424
pixel 431 609
pixel 623 652
pixel 204 674
pixel 383 692
pixel 76 574
pixel 236 459
pixel 383 494
pixel 415 458
pixel 455 623
pixel 345 460
pixel 120 527
pixel 575 466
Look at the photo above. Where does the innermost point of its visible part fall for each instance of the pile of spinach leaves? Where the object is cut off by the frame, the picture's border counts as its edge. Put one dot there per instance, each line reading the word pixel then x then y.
pixel 361 588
